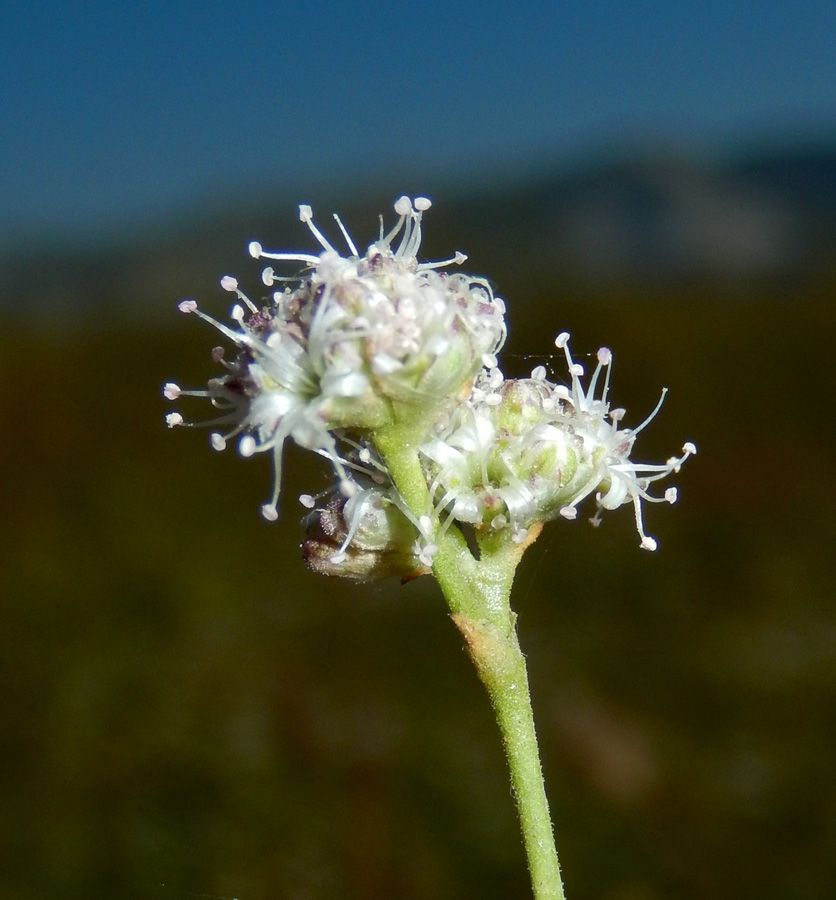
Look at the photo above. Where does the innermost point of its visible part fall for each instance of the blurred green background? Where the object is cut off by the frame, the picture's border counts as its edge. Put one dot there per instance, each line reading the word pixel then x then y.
pixel 184 710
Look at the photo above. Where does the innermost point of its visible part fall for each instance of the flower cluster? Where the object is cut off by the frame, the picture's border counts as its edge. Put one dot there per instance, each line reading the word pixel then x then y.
pixel 354 343
pixel 358 343
pixel 522 451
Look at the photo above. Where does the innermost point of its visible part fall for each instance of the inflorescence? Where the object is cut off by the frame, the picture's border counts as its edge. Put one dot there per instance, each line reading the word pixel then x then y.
pixel 354 344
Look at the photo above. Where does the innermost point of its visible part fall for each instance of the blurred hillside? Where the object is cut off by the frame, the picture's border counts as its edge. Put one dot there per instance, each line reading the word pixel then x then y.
pixel 186 711
pixel 752 223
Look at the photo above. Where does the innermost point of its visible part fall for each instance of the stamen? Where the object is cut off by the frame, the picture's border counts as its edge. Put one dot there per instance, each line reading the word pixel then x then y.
pixel 257 252
pixel 403 208
pixel 346 235
pixel 652 416
pixel 456 260
pixel 306 216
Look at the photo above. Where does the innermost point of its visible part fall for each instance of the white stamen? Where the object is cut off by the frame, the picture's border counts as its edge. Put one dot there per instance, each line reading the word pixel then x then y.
pixel 352 248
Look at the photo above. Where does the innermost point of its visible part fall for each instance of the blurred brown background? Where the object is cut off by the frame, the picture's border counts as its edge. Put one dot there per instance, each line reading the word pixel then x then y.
pixel 188 712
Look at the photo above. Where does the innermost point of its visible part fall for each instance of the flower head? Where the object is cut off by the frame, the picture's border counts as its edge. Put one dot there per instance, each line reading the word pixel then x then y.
pixel 351 344
pixel 522 451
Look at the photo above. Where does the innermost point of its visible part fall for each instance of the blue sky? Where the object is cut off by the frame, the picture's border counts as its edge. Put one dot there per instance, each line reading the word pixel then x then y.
pixel 114 115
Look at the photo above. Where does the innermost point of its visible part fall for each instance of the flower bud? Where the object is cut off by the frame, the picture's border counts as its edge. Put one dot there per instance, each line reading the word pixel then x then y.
pixel 364 537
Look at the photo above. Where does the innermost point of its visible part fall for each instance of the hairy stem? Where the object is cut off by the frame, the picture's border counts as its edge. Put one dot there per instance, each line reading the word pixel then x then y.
pixel 477 593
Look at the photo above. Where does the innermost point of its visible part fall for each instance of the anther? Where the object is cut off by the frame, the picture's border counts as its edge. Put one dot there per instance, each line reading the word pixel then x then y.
pixel 270 512
pixel 403 206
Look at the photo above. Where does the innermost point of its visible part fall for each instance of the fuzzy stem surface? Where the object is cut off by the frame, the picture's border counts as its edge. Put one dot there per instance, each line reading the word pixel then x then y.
pixel 477 593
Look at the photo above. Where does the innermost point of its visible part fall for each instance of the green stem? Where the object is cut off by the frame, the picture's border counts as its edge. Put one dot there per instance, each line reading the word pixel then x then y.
pixel 477 593
pixel 501 667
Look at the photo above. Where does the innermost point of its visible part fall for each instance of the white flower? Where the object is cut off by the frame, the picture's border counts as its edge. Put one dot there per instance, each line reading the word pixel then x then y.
pixel 385 324
pixel 347 346
pixel 523 451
